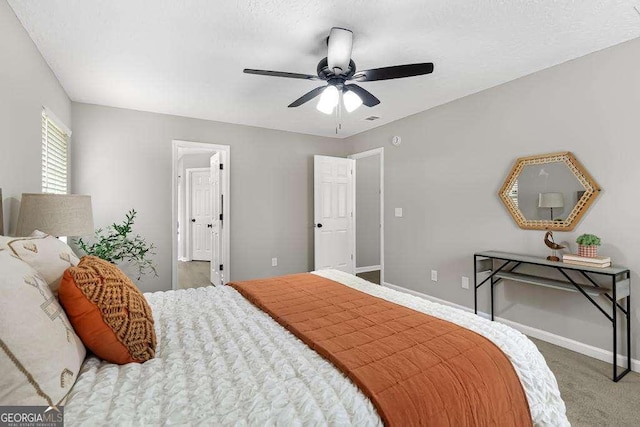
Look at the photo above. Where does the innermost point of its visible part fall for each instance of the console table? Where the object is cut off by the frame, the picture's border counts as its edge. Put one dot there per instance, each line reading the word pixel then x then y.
pixel 607 298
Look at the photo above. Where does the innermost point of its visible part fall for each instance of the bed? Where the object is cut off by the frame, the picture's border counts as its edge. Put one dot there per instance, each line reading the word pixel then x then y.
pixel 220 361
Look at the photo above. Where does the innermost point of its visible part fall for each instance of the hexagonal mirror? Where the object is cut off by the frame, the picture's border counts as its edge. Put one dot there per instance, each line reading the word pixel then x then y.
pixel 548 192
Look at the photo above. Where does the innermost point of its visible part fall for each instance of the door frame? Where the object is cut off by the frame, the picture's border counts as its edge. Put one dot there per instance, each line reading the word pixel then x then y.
pixel 356 156
pixel 225 190
pixel 189 173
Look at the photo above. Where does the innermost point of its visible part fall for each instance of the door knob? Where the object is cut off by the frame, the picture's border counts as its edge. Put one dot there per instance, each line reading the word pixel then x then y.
pixel 319 225
pixel 193 220
pixel 209 225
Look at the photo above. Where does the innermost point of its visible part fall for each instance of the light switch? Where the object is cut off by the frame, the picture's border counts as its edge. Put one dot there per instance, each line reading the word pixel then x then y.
pixel 399 212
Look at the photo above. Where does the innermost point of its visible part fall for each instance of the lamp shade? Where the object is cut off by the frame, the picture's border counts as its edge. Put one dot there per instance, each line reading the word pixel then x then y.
pixel 328 100
pixel 550 200
pixel 55 214
pixel 351 101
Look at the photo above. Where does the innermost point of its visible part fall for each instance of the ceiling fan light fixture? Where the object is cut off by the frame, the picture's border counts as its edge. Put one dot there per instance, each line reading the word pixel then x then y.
pixel 328 100
pixel 339 49
pixel 339 72
pixel 351 101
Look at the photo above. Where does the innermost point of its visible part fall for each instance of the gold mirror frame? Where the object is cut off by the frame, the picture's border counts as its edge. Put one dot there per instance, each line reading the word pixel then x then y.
pixel 590 186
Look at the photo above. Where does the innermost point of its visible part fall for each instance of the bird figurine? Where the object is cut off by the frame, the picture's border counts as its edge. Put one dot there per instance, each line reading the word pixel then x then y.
pixel 548 240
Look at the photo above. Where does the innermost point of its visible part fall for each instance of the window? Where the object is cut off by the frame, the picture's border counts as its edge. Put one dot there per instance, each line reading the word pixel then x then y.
pixel 55 154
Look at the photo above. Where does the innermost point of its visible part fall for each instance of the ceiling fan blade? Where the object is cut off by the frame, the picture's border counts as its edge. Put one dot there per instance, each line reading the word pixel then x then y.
pixel 307 97
pixel 395 72
pixel 340 44
pixel 281 74
pixel 367 98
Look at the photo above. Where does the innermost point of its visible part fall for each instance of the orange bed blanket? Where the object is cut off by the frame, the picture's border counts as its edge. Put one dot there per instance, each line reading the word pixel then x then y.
pixel 416 369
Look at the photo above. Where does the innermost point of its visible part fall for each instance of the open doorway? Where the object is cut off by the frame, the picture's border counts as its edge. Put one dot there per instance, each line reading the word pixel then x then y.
pixel 200 226
pixel 369 215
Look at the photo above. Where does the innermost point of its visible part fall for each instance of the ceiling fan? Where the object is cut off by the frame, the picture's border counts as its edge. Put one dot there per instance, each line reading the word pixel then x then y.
pixel 337 69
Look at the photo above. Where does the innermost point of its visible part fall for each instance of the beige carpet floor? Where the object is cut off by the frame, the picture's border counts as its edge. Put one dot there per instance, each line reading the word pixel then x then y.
pixel 591 397
pixel 193 274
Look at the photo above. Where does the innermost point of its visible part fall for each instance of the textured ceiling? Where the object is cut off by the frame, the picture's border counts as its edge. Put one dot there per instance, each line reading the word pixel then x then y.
pixel 186 57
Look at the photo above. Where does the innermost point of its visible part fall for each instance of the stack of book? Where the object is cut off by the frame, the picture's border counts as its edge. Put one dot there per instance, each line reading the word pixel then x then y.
pixel 597 262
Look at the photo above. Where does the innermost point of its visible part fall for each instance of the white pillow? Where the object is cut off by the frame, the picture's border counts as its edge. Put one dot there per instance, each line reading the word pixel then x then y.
pixel 48 255
pixel 40 354
pixel 4 240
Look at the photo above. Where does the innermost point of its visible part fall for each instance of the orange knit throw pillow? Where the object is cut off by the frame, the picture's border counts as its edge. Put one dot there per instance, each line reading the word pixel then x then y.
pixel 108 312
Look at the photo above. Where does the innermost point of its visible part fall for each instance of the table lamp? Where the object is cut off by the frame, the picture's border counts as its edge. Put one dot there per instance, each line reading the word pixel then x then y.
pixel 550 200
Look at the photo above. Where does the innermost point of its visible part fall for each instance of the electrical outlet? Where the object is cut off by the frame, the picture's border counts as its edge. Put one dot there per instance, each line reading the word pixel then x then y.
pixel 465 282
pixel 434 275
pixel 274 262
pixel 398 212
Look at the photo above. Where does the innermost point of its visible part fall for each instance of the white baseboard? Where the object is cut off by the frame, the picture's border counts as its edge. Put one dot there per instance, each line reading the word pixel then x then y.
pixel 367 269
pixel 560 341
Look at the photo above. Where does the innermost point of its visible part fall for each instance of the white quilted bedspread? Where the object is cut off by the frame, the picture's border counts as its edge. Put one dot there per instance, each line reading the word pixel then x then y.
pixel 222 361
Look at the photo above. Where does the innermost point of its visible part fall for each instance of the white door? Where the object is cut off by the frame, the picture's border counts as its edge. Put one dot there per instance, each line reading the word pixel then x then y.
pixel 217 221
pixel 200 215
pixel 333 213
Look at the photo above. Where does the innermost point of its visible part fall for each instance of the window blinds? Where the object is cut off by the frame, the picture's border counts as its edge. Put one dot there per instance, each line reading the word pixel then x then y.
pixel 55 146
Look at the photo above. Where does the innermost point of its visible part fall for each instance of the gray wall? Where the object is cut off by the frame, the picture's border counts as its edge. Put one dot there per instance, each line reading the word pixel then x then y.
pixel 454 158
pixel 368 211
pixel 123 159
pixel 26 85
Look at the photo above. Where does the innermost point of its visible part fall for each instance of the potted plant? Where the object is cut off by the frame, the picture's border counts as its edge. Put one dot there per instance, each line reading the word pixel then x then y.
pixel 588 245
pixel 116 244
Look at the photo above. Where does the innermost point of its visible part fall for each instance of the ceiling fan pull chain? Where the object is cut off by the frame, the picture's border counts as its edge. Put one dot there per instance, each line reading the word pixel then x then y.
pixel 339 113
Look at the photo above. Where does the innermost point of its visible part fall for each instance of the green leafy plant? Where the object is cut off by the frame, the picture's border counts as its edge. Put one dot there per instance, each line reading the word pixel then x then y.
pixel 588 240
pixel 117 244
